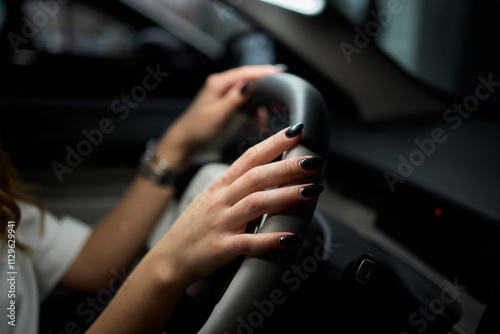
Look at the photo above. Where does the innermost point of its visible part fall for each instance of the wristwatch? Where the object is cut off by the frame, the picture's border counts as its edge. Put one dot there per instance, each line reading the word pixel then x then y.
pixel 155 169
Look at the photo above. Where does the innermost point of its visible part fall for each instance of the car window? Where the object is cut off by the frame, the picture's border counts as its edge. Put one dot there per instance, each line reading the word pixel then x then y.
pixel 444 44
pixel 79 29
pixel 214 18
pixel 205 25
pixel 427 39
pixel 354 10
pixel 305 7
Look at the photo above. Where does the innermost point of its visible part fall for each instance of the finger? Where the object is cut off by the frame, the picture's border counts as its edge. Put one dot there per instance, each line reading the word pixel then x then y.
pixel 234 98
pixel 271 201
pixel 225 80
pixel 262 119
pixel 264 152
pixel 270 175
pixel 262 243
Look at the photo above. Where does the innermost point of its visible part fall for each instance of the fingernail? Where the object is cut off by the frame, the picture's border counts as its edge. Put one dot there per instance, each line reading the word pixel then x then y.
pixel 244 89
pixel 281 67
pixel 312 190
pixel 290 240
pixel 312 163
pixel 294 130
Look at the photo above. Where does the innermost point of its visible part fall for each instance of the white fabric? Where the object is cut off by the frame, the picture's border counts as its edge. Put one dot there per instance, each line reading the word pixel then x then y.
pixel 49 250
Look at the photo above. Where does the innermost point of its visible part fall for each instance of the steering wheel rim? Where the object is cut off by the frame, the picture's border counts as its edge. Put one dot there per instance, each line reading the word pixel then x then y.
pixel 254 284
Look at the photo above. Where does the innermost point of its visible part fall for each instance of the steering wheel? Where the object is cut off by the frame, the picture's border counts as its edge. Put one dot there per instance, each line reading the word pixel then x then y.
pixel 246 301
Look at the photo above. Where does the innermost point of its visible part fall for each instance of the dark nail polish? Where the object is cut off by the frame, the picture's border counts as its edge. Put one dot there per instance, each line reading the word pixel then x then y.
pixel 312 163
pixel 294 130
pixel 312 190
pixel 244 89
pixel 290 240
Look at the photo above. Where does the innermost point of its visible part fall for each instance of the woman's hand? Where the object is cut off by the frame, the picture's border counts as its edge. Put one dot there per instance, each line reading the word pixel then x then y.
pixel 211 231
pixel 210 111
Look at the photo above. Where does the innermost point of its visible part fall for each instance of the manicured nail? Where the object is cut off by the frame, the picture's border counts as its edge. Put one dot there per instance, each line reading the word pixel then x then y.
pixel 290 240
pixel 244 89
pixel 312 163
pixel 294 130
pixel 281 67
pixel 312 190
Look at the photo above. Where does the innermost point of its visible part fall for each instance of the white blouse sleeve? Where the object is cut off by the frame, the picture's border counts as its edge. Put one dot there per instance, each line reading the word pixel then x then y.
pixel 53 243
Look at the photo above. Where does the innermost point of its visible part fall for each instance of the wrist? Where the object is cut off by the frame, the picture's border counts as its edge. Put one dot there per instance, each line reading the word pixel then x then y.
pixel 164 271
pixel 175 149
pixel 157 169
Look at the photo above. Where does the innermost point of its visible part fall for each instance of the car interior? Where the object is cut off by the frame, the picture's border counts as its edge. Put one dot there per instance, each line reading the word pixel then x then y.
pixel 403 96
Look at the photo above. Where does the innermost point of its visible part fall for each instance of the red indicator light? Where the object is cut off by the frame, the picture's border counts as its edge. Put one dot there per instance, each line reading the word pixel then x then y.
pixel 437 211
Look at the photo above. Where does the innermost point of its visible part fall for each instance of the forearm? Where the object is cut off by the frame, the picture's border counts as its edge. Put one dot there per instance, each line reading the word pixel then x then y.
pixel 146 300
pixel 121 234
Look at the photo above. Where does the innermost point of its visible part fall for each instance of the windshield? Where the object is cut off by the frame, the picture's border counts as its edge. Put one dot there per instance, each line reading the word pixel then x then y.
pixel 446 44
pixel 206 25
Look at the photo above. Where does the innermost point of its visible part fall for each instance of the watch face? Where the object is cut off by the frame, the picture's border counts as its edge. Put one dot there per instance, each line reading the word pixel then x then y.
pixel 161 175
pixel 150 149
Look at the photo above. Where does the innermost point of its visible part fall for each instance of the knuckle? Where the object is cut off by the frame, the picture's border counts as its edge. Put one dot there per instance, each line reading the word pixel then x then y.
pixel 247 157
pixel 246 70
pixel 252 178
pixel 212 81
pixel 289 166
pixel 252 153
pixel 241 245
pixel 253 203
pixel 217 184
